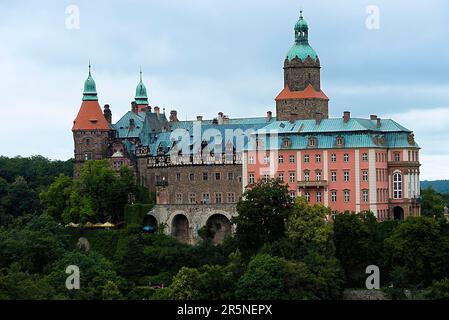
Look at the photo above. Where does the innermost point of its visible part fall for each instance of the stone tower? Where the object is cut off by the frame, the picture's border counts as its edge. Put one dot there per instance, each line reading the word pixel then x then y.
pixel 302 97
pixel 141 98
pixel 92 132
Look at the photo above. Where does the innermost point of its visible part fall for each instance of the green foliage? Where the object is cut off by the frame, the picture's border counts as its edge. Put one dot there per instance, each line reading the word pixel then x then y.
pixel 56 200
pixel 419 246
pixel 439 290
pixel 355 246
pixel 307 227
pixel 33 243
pixel 261 215
pixel 98 279
pixel 135 214
pixel 433 203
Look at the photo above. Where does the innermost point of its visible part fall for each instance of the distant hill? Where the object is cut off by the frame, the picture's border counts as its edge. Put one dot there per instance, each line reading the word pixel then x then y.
pixel 441 186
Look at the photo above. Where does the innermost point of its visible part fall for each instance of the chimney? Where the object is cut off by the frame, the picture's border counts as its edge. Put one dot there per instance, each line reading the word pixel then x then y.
pixel 379 124
pixel 346 116
pixel 220 118
pixel 133 107
pixel 269 115
pixel 225 119
pixel 199 118
pixel 107 113
pixel 318 117
pixel 156 111
pixel 373 117
pixel 173 116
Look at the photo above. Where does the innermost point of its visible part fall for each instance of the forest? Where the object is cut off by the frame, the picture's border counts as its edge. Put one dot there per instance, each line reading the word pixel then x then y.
pixel 282 249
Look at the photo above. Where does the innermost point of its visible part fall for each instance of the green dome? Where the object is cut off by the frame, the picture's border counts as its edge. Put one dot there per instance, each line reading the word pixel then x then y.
pixel 141 92
pixel 301 48
pixel 302 51
pixel 90 89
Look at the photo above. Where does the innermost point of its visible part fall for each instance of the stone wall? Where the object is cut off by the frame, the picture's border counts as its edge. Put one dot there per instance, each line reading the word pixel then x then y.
pixel 175 181
pixel 301 109
pixel 197 217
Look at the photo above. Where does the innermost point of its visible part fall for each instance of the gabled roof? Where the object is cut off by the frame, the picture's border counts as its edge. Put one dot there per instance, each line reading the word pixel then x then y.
pixel 90 117
pixel 124 130
pixel 308 93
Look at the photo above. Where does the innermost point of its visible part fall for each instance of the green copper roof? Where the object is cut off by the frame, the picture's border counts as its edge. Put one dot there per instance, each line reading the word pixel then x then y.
pixel 90 89
pixel 141 92
pixel 301 48
pixel 302 51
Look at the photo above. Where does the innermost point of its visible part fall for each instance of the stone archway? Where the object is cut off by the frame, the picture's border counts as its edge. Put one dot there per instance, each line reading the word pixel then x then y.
pixel 180 228
pixel 398 213
pixel 220 225
pixel 150 224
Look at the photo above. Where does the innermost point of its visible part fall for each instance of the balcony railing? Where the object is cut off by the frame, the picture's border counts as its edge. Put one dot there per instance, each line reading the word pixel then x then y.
pixel 312 184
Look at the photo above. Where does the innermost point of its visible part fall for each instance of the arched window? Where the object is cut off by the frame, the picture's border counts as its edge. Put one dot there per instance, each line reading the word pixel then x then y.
pixel 397 186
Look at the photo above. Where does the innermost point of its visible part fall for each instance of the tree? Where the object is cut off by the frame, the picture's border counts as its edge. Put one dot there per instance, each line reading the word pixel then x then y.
pixel 438 291
pixel 420 247
pixel 261 215
pixel 98 278
pixel 432 203
pixel 307 228
pixel 355 247
pixel 21 198
pixel 56 200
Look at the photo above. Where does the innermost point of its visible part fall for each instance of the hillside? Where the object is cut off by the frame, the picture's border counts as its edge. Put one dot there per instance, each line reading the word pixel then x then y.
pixel 441 186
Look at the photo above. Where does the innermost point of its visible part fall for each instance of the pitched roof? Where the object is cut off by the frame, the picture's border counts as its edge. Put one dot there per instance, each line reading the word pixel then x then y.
pixel 308 93
pixel 90 117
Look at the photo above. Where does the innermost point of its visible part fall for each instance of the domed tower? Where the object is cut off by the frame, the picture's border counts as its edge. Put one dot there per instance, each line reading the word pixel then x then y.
pixel 302 97
pixel 92 132
pixel 141 98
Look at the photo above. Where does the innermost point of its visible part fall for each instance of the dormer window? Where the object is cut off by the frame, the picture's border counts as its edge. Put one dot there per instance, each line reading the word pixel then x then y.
pixel 312 142
pixel 286 143
pixel 340 141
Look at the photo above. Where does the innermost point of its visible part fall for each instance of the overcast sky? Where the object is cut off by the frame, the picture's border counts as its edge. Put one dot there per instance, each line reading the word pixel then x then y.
pixel 203 57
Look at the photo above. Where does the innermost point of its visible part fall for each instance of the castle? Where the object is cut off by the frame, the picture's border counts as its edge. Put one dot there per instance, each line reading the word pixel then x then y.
pixel 200 168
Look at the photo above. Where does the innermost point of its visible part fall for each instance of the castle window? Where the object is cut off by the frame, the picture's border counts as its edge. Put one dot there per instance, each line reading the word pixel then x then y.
pixel 192 198
pixel 364 156
pixel 292 177
pixel 231 197
pixel 318 176
pixel 346 157
pixel 346 176
pixel 292 159
pixel 179 198
pixel 218 197
pixel 281 159
pixel 266 177
pixel 317 158
pixel 340 141
pixel 397 156
pixel 178 176
pixel 306 158
pixel 251 178
pixel 333 157
pixel 251 160
pixel 307 196
pixel 333 196
pixel 318 196
pixel 192 177
pixel 281 176
pixel 286 143
pixel 306 175
pixel 365 195
pixel 292 195
pixel 364 175
pixel 346 195
pixel 230 175
pixel 206 198
pixel 312 142
pixel 334 176
pixel 217 176
pixel 88 156
pixel 397 186
pixel 205 176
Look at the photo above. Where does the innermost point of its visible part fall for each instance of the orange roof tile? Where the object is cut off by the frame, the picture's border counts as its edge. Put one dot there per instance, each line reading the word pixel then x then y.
pixel 308 93
pixel 90 117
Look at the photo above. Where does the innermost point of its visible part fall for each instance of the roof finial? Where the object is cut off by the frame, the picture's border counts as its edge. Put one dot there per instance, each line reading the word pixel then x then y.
pixel 89 68
pixel 300 13
pixel 140 73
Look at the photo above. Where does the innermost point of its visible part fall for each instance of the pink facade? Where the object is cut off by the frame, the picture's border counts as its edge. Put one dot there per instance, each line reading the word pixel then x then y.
pixel 353 179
